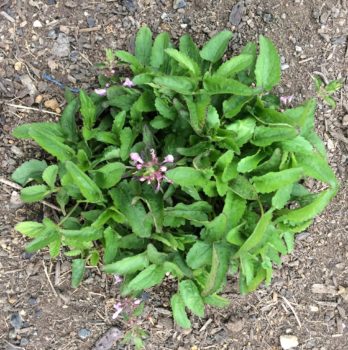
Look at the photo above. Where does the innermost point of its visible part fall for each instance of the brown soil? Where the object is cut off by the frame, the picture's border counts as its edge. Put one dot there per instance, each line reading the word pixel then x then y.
pixel 311 36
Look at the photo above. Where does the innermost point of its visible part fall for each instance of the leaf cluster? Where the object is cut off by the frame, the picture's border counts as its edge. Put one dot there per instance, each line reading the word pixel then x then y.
pixel 237 196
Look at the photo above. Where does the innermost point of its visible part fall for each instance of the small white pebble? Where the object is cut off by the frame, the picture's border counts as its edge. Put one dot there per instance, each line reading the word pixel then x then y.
pixel 37 24
pixel 285 66
pixel 288 342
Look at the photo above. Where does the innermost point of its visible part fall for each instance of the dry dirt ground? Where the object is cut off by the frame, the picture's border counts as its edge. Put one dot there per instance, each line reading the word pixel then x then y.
pixel 308 297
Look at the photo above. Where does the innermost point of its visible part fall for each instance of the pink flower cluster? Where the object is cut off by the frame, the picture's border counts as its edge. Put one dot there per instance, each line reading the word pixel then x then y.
pixel 126 305
pixel 152 171
pixel 102 92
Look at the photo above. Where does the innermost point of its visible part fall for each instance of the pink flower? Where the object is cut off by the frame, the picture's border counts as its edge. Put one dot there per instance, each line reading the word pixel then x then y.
pixel 128 83
pixel 118 309
pixel 118 279
pixel 285 100
pixel 100 92
pixel 152 171
pixel 137 301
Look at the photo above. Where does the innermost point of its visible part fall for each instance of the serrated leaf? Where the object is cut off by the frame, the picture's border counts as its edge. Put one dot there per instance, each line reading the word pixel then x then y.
pixel 30 228
pixel 68 120
pixel 125 56
pixel 52 145
pixel 109 175
pixel 282 196
pixel 213 119
pixel 218 85
pixel 78 267
pixel 255 238
pixel 196 211
pixel 298 145
pixel 249 163
pixel 247 267
pixel 143 45
pixel 184 61
pixel 34 193
pixel 85 234
pixel 149 277
pixel 198 111
pixel 88 110
pixel 289 238
pixel 29 170
pixel 191 297
pixel 50 175
pixel 127 138
pixel 164 109
pixel 267 68
pixel 234 105
pixel 275 180
pixel 128 265
pixel 187 176
pixel 54 248
pixel 199 255
pixel 178 84
pixel 88 188
pixel 220 262
pixel 188 47
pixel 156 206
pixel 47 236
pixel 161 42
pixel 243 188
pixel 179 313
pixel 266 135
pixel 215 48
pixel 234 65
pixel 234 209
pixel 53 129
pixel 216 301
pixel 111 245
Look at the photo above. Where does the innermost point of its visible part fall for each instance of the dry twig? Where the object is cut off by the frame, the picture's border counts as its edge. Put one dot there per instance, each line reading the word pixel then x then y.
pixel 49 280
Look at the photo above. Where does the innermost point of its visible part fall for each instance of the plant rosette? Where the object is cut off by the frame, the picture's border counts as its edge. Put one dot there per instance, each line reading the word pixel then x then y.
pixel 189 166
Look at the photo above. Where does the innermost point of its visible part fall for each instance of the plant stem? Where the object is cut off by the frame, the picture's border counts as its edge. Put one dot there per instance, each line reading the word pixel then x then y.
pixel 70 213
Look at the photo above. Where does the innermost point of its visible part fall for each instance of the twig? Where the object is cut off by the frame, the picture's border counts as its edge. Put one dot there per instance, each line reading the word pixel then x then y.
pixel 293 311
pixel 306 60
pixel 7 16
pixel 31 108
pixel 48 278
pixel 87 30
pixel 18 187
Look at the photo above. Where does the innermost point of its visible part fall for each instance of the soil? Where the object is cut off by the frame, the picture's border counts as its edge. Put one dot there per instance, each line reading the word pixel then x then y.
pixel 308 297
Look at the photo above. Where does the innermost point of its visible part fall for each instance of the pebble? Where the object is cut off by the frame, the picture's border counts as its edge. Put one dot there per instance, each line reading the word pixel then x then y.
pixel 237 13
pixel 84 333
pixel 51 2
pixel 345 120
pixel 52 34
pixel 91 22
pixel 38 99
pixel 24 342
pixel 70 4
pixel 32 301
pixel 288 341
pixel 130 5
pixel 15 200
pixel 284 66
pixel 179 4
pixel 37 24
pixel 52 104
pixel 61 47
pixel 298 48
pixel 16 321
pixel 267 17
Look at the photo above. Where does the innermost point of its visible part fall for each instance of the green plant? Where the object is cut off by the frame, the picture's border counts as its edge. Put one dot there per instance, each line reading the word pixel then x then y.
pixel 189 168
pixel 325 92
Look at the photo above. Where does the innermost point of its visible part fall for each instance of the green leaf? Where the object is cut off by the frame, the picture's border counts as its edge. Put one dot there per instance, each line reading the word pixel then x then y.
pixel 196 211
pixel 47 236
pixel 282 196
pixel 220 262
pixel 52 145
pixel 34 193
pixel 179 313
pixel 198 111
pixel 151 276
pixel 109 175
pixel 218 85
pixel 68 120
pixel 161 42
pixel 299 145
pixel 235 65
pixel 85 234
pixel 94 258
pixel 267 68
pixel 111 245
pixel 155 203
pixel 178 84
pixel 29 170
pixel 199 255
pixel 191 297
pixel 30 228
pixel 78 267
pixel 247 267
pixel 255 238
pixel 215 48
pixel 275 180
pixel 55 248
pixel 143 45
pixel 88 110
pixel 250 163
pixel 127 139
pixel 215 229
pixel 187 176
pixel 243 188
pixel 50 175
pixel 234 209
pixel 234 105
pixel 216 301
pixel 184 61
pixel 138 219
pixel 53 129
pixel 88 188
pixel 266 135
pixel 128 265
pixel 125 56
pixel 168 112
pixel 244 130
pixel 289 239
pixel 188 47
pixel 213 119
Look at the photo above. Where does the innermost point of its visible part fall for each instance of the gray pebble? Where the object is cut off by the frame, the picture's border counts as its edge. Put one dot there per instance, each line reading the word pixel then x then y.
pixel 91 22
pixel 84 333
pixel 130 5
pixel 16 321
pixel 32 301
pixel 237 13
pixel 74 55
pixel 267 17
pixel 24 342
pixel 70 4
pixel 17 151
pixel 179 4
pixel 51 2
pixel 52 34
pixel 61 47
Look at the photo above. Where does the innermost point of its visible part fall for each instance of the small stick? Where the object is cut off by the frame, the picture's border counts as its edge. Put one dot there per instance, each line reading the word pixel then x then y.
pixel 18 187
pixel 87 30
pixel 48 278
pixel 293 311
pixel 7 16
pixel 306 60
pixel 31 108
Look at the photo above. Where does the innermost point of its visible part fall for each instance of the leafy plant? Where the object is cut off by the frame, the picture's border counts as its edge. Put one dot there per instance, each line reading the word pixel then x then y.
pixel 325 92
pixel 189 168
